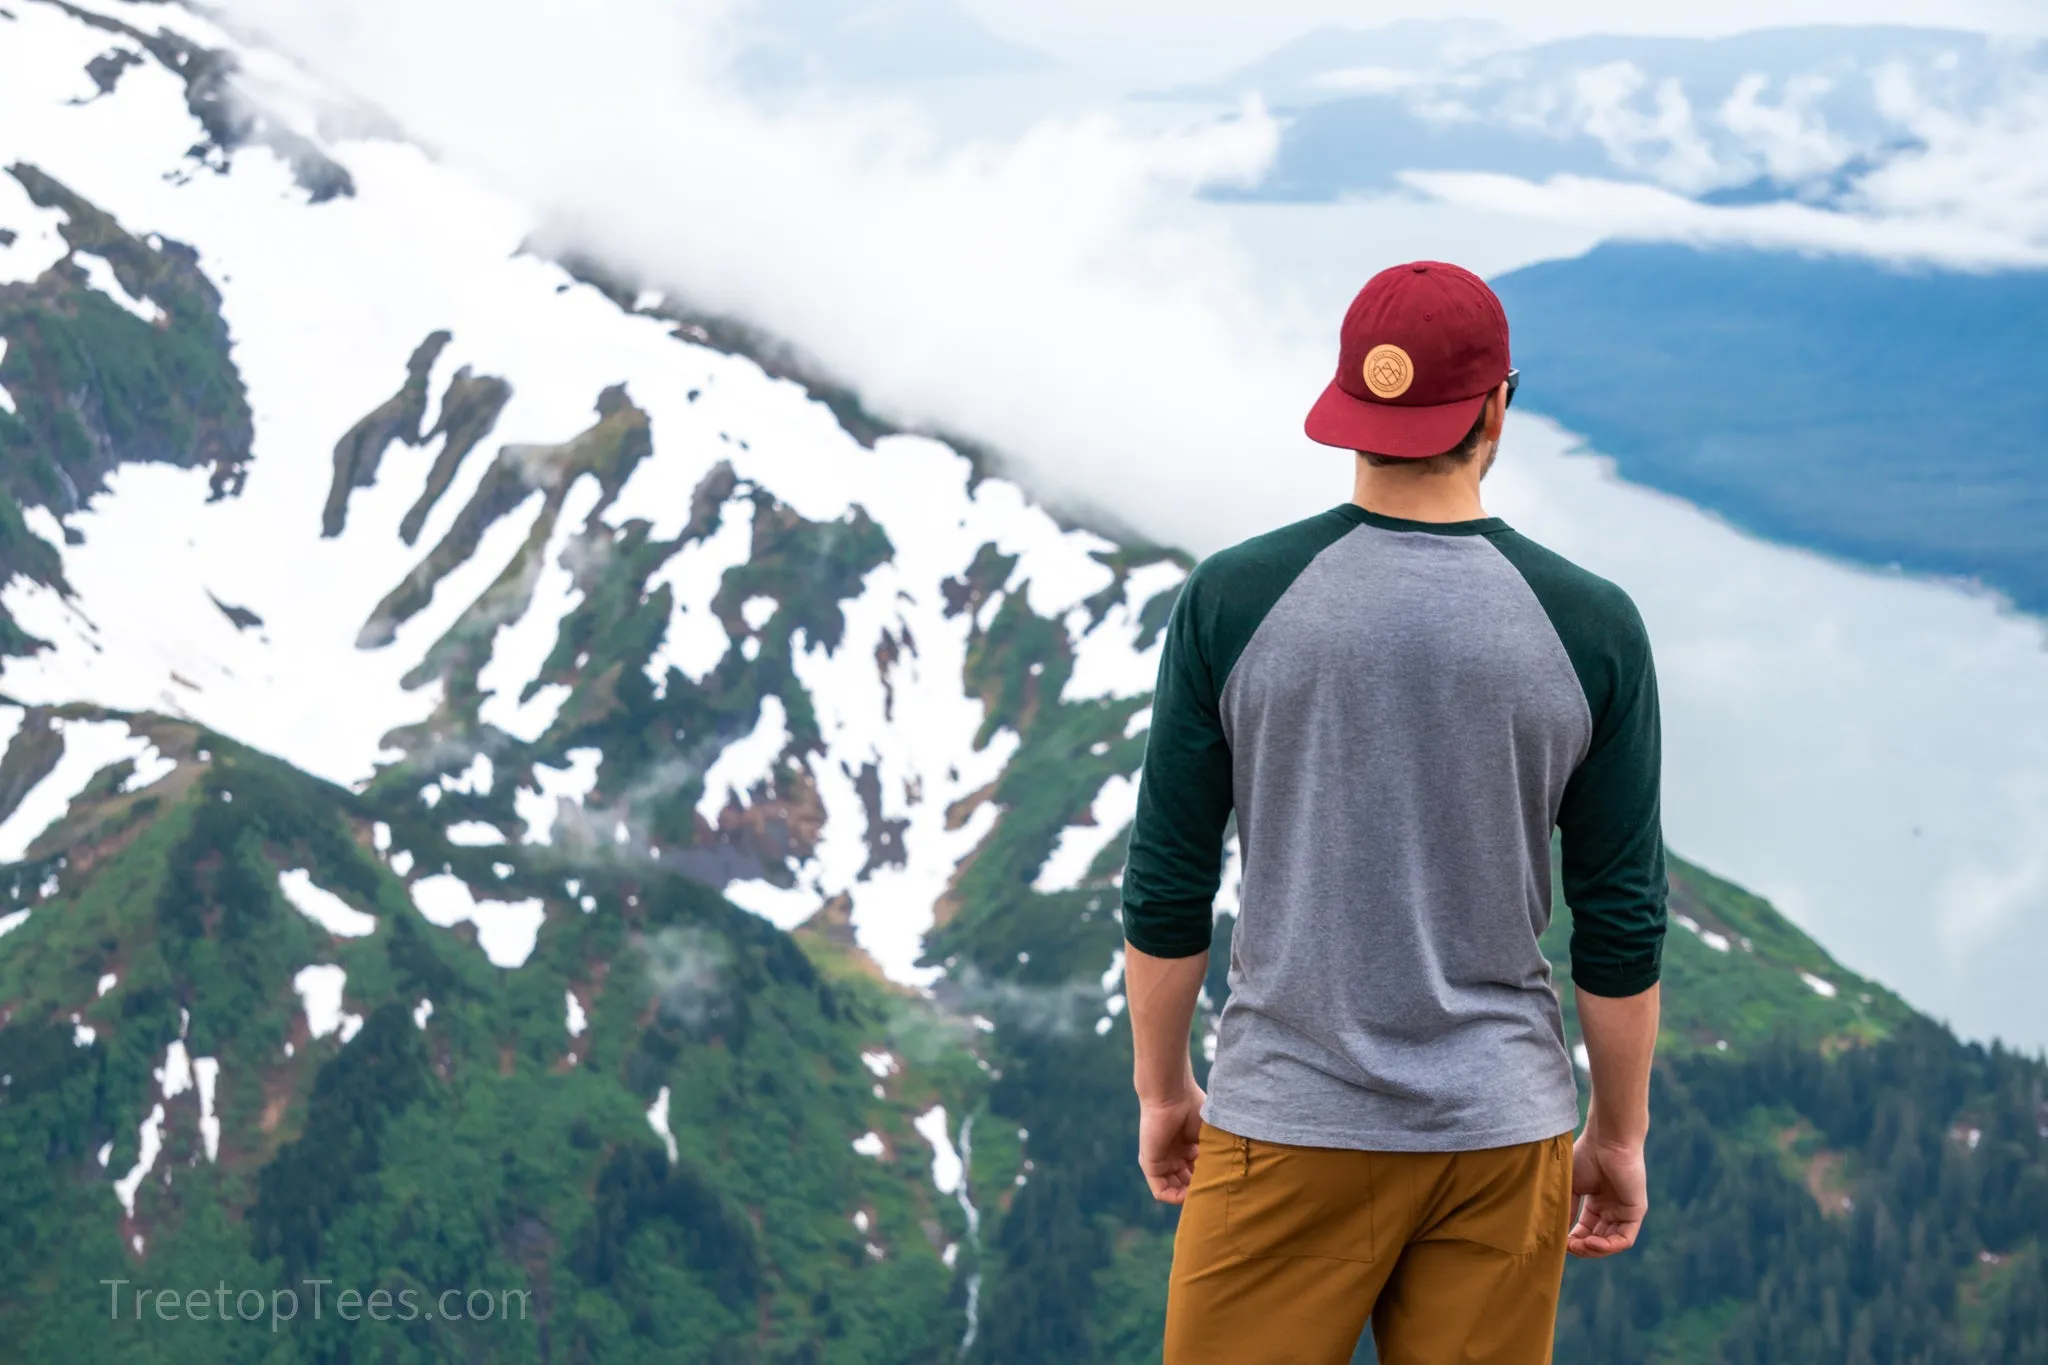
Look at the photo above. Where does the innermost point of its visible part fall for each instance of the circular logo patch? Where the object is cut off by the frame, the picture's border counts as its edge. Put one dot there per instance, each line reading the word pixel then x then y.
pixel 1388 371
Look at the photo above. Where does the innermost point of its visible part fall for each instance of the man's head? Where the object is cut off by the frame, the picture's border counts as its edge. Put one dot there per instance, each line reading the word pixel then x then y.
pixel 1423 375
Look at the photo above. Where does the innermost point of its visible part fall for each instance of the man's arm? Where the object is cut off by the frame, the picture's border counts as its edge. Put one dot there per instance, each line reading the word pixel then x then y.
pixel 1162 992
pixel 1608 1173
pixel 1615 883
pixel 1169 892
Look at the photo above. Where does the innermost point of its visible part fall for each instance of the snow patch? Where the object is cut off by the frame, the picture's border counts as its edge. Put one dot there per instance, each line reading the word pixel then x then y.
pixel 1230 892
pixel 422 1012
pixel 320 990
pixel 90 746
pixel 1820 986
pixel 11 921
pixel 323 907
pixel 100 276
pixel 758 611
pixel 174 1077
pixel 1112 811
pixel 207 1072
pixel 523 645
pixel 947 1168
pixel 475 834
pixel 38 244
pixel 540 807
pixel 505 930
pixel 475 780
pixel 578 1020
pixel 151 1142
pixel 696 639
pixel 870 1144
pixel 882 1064
pixel 657 1119
pixel 151 767
pixel 1107 660
pixel 745 763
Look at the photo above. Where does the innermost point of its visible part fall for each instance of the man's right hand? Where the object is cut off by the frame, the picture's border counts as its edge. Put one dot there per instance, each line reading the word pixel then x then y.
pixel 1613 1186
pixel 1607 1162
pixel 1169 1134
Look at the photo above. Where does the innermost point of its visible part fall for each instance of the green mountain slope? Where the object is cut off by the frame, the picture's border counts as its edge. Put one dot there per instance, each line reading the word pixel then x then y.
pixel 478 1146
pixel 1842 1181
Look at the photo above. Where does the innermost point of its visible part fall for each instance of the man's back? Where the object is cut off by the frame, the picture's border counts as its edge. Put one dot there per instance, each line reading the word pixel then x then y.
pixel 1401 709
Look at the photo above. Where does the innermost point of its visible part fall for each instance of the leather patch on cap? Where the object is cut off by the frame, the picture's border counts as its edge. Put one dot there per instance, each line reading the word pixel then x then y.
pixel 1388 371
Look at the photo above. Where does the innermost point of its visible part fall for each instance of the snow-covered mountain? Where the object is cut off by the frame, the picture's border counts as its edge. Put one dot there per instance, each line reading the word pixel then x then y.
pixel 512 784
pixel 449 443
pixel 305 450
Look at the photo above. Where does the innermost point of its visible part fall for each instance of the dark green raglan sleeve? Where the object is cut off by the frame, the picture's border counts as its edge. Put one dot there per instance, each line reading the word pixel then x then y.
pixel 1175 863
pixel 1610 821
pixel 1184 799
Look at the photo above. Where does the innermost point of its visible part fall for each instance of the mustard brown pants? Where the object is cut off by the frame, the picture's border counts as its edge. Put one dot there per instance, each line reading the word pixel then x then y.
pixel 1284 1253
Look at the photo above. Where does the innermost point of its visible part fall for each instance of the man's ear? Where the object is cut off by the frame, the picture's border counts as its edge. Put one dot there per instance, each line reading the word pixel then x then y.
pixel 1496 411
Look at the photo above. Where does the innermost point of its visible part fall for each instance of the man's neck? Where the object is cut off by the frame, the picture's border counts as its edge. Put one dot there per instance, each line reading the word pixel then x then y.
pixel 1415 496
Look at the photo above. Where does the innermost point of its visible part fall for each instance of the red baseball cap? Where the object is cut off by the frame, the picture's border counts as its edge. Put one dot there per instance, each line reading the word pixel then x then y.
pixel 1423 345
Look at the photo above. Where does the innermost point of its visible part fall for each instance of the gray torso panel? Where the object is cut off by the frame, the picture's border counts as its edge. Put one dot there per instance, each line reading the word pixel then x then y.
pixel 1402 723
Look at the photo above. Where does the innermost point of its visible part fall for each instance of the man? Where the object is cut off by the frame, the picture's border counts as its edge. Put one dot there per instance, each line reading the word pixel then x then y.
pixel 1400 699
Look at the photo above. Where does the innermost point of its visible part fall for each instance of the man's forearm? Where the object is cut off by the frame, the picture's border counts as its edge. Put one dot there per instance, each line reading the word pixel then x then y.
pixel 1621 1041
pixel 1161 994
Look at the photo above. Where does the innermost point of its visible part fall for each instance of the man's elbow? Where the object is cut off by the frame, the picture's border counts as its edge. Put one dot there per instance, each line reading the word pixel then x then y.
pixel 1169 929
pixel 1618 965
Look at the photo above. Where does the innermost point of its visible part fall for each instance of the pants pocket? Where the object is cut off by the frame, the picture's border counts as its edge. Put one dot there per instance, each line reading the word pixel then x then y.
pixel 1516 1197
pixel 1299 1201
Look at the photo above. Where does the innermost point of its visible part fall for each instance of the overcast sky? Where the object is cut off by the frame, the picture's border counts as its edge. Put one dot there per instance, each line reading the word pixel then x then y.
pixel 1167 41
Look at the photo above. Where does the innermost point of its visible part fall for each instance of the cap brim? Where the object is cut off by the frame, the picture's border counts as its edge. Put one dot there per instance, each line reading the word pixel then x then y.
pixel 1406 433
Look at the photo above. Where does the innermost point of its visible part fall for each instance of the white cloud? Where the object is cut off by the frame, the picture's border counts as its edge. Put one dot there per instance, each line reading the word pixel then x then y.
pixel 1647 212
pixel 1787 132
pixel 1607 103
pixel 1988 170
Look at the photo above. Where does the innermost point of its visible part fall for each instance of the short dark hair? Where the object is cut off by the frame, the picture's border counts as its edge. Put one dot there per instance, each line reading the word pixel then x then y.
pixel 1457 457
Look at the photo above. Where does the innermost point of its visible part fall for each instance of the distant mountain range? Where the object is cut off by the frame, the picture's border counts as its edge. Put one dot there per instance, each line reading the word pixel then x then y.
pixel 1776 114
pixel 791 44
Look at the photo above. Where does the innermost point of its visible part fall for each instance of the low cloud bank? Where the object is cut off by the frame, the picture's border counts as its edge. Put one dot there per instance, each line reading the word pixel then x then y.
pixel 1061 295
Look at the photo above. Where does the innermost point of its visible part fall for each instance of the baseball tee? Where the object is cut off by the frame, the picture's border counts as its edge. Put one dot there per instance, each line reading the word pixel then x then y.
pixel 1400 714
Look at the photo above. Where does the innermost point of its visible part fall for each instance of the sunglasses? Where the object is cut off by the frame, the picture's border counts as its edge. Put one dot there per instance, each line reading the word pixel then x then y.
pixel 1514 382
